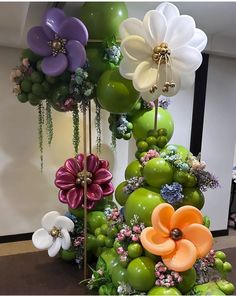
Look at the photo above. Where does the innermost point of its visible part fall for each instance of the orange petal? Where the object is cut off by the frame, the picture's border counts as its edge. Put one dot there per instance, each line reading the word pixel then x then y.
pixel 200 236
pixel 183 258
pixel 185 216
pixel 161 217
pixel 154 242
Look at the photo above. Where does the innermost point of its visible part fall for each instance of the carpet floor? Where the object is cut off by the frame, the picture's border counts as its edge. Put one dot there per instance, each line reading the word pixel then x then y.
pixel 37 274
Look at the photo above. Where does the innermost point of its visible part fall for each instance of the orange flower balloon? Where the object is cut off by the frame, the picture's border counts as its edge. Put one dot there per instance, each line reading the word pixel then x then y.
pixel 177 236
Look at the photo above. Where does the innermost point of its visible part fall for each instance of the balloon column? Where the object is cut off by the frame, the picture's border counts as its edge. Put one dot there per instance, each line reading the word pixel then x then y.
pixel 156 242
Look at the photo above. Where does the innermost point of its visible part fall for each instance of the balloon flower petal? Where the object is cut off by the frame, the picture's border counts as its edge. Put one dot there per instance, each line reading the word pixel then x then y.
pixel 92 163
pixel 48 220
pixel 38 41
pixel 107 189
pixel 62 196
pixel 102 176
pixel 72 166
pixel 127 67
pixel 145 76
pixel 161 217
pixel 76 54
pixel 95 192
pixel 65 180
pixel 169 10
pixel 64 222
pixel 52 19
pixel 41 239
pixel 65 241
pixel 55 248
pixel 131 26
pixel 75 197
pixel 54 66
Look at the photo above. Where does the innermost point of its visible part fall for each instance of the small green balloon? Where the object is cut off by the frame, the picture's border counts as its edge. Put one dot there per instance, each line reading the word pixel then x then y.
pixel 143 121
pixel 142 202
pixel 158 172
pixel 37 89
pixel 33 99
pixel 103 19
pixel 68 255
pixel 141 274
pixel 115 93
pixel 193 197
pixel 95 220
pixel 189 278
pixel 120 195
pixel 119 274
pixel 27 53
pixel 22 97
pixel 26 86
pixel 111 259
pixel 37 77
pixel 164 291
pixel 134 169
pixel 210 288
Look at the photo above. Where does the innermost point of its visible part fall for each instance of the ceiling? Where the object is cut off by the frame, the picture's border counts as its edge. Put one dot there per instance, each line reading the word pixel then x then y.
pixel 215 18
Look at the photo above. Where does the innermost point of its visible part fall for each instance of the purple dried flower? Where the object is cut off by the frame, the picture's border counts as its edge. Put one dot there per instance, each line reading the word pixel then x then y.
pixel 172 193
pixel 133 184
pixel 206 180
pixel 164 102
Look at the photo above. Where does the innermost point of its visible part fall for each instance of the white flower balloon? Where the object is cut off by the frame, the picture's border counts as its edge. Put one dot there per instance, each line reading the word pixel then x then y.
pixel 55 233
pixel 162 52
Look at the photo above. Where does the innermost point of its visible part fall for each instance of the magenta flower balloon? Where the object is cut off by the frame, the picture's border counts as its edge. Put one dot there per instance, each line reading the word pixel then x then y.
pixel 70 180
pixel 60 40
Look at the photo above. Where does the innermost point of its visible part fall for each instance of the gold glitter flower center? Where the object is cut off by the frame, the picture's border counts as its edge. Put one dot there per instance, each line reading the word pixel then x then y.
pixel 81 176
pixel 55 232
pixel 161 53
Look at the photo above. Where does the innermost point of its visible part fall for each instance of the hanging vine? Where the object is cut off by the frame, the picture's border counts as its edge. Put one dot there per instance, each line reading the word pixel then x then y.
pixel 49 123
pixel 40 131
pixel 98 128
pixel 76 131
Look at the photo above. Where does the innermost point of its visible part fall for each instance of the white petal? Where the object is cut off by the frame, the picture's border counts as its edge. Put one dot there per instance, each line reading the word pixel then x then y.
pixel 169 10
pixel 65 241
pixel 136 48
pixel 155 27
pixel 48 220
pixel 186 59
pixel 180 31
pixel 41 239
pixel 55 248
pixel 127 67
pixel 187 80
pixel 145 76
pixel 148 97
pixel 131 26
pixel 64 222
pixel 199 40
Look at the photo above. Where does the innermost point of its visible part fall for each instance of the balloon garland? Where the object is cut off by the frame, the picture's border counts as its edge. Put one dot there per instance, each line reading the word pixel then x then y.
pixel 158 242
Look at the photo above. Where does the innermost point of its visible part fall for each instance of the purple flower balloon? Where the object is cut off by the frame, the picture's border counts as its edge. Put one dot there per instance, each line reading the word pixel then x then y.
pixel 60 40
pixel 70 180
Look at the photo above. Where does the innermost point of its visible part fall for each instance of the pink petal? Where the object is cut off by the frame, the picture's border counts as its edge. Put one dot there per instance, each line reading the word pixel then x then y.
pixel 72 166
pixel 65 181
pixel 62 196
pixel 94 192
pixel 75 197
pixel 90 205
pixel 107 189
pixel 92 163
pixel 80 158
pixel 103 164
pixel 102 176
pixel 61 171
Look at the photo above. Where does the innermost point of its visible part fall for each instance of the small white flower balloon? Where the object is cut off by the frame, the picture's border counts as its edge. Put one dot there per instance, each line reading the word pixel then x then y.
pixel 162 52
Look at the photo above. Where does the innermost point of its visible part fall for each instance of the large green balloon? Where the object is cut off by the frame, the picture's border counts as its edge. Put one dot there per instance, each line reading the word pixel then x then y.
pixel 111 259
pixel 143 121
pixel 97 64
pixel 119 274
pixel 134 169
pixel 189 278
pixel 164 291
pixel 120 195
pixel 115 93
pixel 141 273
pixel 142 202
pixel 158 172
pixel 103 19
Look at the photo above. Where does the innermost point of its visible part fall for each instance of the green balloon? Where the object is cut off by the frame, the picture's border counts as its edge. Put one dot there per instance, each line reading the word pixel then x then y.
pixel 97 64
pixel 37 77
pixel 79 212
pixel 91 242
pixel 189 278
pixel 27 53
pixel 143 121
pixel 68 255
pixel 142 202
pixel 181 150
pixel 120 195
pixel 111 259
pixel 141 274
pixel 37 89
pixel 22 97
pixel 115 93
pixel 193 197
pixel 119 274
pixel 134 169
pixel 26 85
pixel 33 99
pixel 158 172
pixel 210 288
pixel 95 220
pixel 103 19
pixel 164 291
pixel 102 204
pixel 226 287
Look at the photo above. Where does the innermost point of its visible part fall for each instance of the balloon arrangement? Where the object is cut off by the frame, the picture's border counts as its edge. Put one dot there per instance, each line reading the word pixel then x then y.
pixel 158 242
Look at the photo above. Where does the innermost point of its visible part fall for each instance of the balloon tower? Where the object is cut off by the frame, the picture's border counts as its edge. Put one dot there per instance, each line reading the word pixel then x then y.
pixel 153 239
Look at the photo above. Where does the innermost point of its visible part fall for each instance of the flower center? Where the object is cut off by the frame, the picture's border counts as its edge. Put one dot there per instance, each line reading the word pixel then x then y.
pixel 55 232
pixel 57 45
pixel 176 234
pixel 83 177
pixel 161 53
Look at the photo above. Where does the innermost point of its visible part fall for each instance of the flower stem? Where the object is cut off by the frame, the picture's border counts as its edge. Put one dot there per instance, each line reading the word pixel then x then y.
pixel 98 128
pixel 76 131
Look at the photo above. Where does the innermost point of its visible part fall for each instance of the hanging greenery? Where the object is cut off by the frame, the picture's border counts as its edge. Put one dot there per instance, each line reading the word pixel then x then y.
pixel 76 131
pixel 98 128
pixel 49 123
pixel 40 131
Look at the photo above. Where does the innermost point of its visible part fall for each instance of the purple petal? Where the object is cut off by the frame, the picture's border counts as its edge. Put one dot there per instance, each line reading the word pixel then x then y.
pixel 75 197
pixel 52 21
pixel 65 181
pixel 90 205
pixel 37 41
pixel 92 163
pixel 72 166
pixel 76 54
pixel 107 189
pixel 73 29
pixel 103 164
pixel 102 176
pixel 54 66
pixel 94 192
pixel 62 196
pixel 80 158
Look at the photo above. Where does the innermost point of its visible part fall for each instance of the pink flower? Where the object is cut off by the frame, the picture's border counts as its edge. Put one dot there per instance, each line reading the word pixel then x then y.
pixel 25 62
pixel 136 229
pixel 120 250
pixel 70 180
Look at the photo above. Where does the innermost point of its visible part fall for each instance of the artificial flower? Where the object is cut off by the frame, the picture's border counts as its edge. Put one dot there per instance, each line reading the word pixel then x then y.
pixel 60 40
pixel 162 52
pixel 70 180
pixel 177 236
pixel 55 233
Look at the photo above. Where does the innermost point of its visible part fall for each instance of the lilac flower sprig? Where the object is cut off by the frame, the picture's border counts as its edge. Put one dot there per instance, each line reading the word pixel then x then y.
pixel 165 277
pixel 164 102
pixel 133 184
pixel 172 193
pixel 175 159
pixel 206 180
pixel 149 155
pixel 114 215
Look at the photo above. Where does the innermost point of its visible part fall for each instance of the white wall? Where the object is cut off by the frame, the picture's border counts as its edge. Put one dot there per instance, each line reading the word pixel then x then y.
pixel 26 193
pixel 219 135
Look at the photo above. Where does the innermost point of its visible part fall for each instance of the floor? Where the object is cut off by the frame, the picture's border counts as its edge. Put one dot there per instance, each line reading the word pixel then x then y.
pixel 223 242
